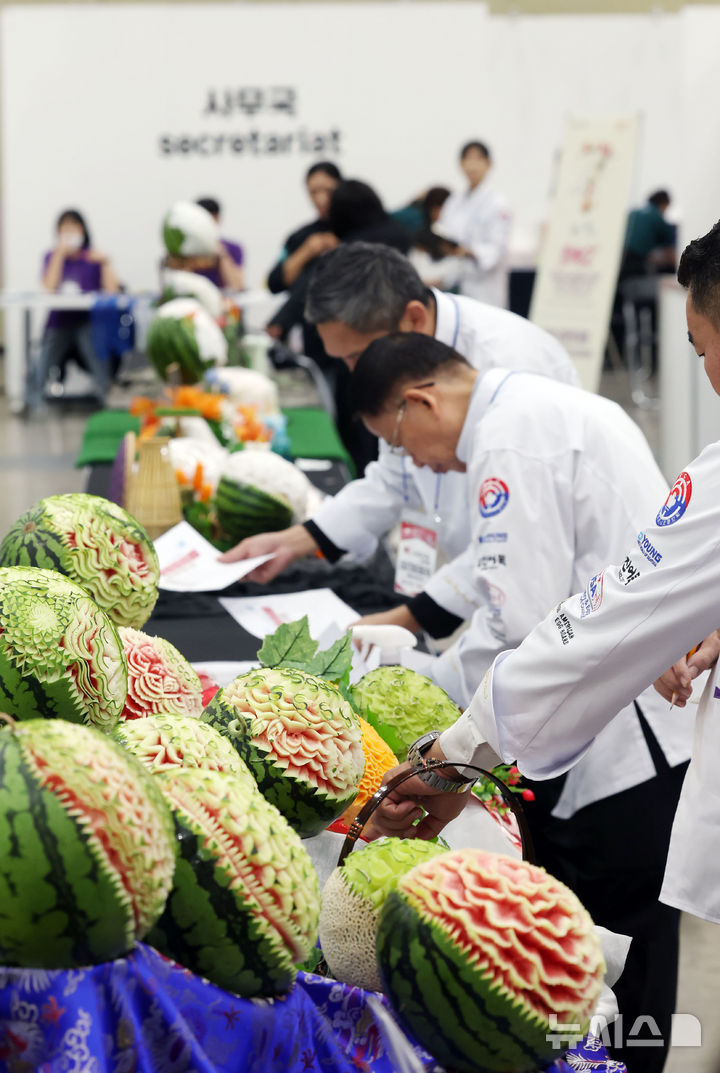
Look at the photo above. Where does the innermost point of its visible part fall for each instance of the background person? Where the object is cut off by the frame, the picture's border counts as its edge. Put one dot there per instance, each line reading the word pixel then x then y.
pixel 228 271
pixel 358 293
pixel 649 239
pixel 477 223
pixel 73 265
pixel 309 241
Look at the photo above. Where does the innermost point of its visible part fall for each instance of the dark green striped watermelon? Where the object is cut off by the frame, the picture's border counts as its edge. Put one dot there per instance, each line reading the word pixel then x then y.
pixel 60 655
pixel 95 543
pixel 245 903
pixel 482 956
pixel 164 742
pixel 244 510
pixel 87 847
pixel 300 739
pixel 184 336
pixel 351 902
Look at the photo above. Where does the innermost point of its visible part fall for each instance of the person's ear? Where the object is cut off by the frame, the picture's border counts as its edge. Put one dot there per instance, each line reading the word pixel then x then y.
pixel 415 318
pixel 426 397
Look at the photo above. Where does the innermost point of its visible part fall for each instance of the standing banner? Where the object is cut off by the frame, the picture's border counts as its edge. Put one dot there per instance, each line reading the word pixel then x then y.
pixel 577 274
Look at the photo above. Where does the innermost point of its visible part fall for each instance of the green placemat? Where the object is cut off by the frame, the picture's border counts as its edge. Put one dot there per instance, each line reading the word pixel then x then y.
pixel 311 432
pixel 103 435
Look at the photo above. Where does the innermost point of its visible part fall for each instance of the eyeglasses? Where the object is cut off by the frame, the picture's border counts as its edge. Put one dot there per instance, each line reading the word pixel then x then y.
pixel 394 445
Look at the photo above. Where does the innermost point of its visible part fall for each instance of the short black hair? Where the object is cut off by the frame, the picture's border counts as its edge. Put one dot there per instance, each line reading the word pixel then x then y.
pixel 327 167
pixel 74 216
pixel 354 206
pixel 480 146
pixel 699 271
pixel 659 199
pixel 394 360
pixel 366 285
pixel 210 204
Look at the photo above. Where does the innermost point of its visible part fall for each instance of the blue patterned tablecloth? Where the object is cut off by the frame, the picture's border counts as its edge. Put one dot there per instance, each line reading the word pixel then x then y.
pixel 145 1014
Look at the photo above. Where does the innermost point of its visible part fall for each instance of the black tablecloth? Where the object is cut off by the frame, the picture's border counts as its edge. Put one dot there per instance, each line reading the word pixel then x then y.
pixel 201 628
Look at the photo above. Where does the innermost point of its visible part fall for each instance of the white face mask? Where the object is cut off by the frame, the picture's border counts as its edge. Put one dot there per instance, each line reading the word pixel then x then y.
pixel 72 240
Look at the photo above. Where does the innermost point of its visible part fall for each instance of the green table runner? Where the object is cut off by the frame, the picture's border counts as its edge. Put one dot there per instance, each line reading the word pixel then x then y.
pixel 311 432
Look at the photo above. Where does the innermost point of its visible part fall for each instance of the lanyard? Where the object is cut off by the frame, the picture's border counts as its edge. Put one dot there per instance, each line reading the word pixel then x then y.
pixel 406 496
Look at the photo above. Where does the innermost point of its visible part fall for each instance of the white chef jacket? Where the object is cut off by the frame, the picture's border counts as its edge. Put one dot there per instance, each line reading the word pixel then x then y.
pixel 480 221
pixel 366 509
pixel 542 704
pixel 559 481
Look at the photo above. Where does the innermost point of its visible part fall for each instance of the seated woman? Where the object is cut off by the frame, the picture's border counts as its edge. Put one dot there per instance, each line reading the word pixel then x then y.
pixel 72 266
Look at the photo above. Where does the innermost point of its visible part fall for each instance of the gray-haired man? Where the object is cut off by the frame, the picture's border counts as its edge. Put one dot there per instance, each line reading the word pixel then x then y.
pixel 359 292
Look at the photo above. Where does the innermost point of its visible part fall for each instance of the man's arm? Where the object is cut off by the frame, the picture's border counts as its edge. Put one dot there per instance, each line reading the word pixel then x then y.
pixel 543 704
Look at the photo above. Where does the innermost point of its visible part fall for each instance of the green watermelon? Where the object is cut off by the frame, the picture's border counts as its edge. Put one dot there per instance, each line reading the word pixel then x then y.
pixel 300 739
pixel 188 230
pixel 351 902
pixel 402 705
pixel 244 510
pixel 87 847
pixel 185 336
pixel 244 906
pixel 95 543
pixel 160 680
pixel 482 956
pixel 60 655
pixel 164 742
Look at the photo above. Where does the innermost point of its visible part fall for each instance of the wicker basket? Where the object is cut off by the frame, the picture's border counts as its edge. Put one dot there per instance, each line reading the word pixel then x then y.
pixel 152 494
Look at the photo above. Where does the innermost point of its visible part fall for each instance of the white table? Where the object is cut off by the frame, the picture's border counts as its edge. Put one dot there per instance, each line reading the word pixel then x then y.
pixel 26 311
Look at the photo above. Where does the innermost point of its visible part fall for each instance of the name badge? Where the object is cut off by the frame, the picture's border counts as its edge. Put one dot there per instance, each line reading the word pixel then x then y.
pixel 417 553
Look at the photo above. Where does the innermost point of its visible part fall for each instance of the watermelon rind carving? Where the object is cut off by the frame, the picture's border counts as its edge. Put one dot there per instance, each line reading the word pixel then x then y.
pixel 244 907
pixel 482 956
pixel 60 655
pixel 95 543
pixel 164 742
pixel 402 705
pixel 160 679
pixel 87 847
pixel 189 230
pixel 300 739
pixel 351 902
pixel 244 510
pixel 184 335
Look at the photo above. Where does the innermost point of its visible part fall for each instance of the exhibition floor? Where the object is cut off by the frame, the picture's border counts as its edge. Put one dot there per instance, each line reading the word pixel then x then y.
pixel 37 459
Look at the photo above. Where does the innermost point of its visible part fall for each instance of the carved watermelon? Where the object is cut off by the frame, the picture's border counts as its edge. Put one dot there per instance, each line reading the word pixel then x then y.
pixel 87 847
pixel 401 705
pixel 481 955
pixel 95 543
pixel 160 680
pixel 164 742
pixel 60 655
pixel 351 902
pixel 244 907
pixel 300 739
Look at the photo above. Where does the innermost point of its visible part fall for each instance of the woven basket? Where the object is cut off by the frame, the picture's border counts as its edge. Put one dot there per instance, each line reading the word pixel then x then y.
pixel 152 494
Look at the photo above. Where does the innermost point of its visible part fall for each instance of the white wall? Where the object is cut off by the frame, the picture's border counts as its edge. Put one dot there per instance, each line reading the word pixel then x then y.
pixel 88 91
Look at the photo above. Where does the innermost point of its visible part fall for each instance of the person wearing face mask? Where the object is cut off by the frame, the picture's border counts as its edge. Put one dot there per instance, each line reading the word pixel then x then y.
pixel 73 265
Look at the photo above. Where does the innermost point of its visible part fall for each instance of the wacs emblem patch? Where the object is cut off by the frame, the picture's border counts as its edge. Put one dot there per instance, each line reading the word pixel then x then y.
pixel 677 502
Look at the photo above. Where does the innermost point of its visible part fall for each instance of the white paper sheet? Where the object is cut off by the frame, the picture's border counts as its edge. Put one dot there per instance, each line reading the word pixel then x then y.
pixel 189 562
pixel 261 615
pixel 224 671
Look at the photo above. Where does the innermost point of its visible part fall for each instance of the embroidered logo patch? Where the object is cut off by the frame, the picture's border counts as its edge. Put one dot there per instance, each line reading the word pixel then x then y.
pixel 592 597
pixel 677 502
pixel 494 495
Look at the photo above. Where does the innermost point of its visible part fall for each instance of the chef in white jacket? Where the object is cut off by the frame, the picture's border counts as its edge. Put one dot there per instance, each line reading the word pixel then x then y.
pixel 362 291
pixel 478 220
pixel 559 480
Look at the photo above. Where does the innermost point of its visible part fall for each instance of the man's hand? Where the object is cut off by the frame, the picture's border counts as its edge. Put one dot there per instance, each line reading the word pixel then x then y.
pixel 675 685
pixel 397 813
pixel 287 545
pixel 397 616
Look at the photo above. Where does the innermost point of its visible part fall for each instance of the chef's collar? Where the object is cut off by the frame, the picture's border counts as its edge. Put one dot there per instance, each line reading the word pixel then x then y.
pixel 484 392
